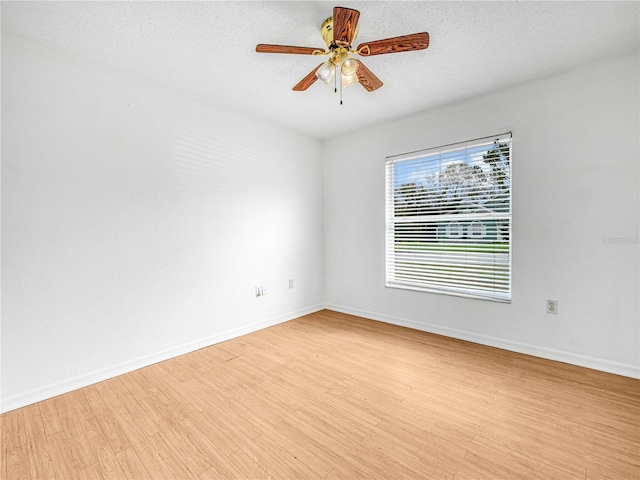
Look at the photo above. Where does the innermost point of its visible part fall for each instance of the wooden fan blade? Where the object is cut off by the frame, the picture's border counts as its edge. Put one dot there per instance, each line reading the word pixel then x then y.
pixel 345 21
pixel 265 48
pixel 307 81
pixel 367 79
pixel 404 43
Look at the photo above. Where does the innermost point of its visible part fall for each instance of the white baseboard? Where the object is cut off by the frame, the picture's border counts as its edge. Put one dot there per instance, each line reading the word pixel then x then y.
pixel 64 386
pixel 80 381
pixel 608 366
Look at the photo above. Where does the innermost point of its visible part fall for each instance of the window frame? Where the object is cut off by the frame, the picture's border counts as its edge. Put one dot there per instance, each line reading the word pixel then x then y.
pixel 491 281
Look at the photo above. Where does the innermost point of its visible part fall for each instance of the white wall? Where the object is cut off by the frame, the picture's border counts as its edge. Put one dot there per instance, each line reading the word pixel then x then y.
pixel 136 223
pixel 575 218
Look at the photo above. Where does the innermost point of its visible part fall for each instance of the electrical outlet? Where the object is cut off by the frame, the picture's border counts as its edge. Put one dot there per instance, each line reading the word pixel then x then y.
pixel 291 283
pixel 552 306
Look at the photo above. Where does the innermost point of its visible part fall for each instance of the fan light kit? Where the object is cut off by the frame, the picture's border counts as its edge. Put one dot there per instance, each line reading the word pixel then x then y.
pixel 338 33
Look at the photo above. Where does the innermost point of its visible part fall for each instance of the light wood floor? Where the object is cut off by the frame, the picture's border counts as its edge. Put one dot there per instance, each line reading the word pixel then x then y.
pixel 335 396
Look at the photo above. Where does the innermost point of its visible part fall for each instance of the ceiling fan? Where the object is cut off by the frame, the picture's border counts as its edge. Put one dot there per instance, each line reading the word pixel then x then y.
pixel 338 33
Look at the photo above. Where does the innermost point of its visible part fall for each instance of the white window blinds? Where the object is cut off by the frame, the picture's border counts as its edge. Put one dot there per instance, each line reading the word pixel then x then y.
pixel 448 219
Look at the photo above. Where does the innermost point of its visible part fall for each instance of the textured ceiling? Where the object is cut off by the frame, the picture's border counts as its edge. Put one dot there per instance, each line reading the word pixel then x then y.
pixel 207 50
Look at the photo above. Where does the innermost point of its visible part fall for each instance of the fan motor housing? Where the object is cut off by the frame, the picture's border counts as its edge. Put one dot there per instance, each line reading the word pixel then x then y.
pixel 326 30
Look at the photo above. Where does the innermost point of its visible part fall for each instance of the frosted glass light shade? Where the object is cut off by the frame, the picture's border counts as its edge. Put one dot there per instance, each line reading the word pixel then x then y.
pixel 348 80
pixel 326 72
pixel 349 67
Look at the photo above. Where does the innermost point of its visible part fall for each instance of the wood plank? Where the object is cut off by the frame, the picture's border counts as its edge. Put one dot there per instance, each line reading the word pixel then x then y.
pixel 14 431
pixel 17 462
pixel 287 444
pixel 214 428
pixel 40 463
pixel 418 449
pixel 74 435
pixel 248 467
pixel 282 462
pixel 491 460
pixel 50 416
pixel 235 418
pixel 131 464
pixel 3 451
pixel 111 419
pixel 135 414
pixel 149 457
pixel 328 451
pixel 173 458
pixel 61 457
pixel 16 456
pixel 91 472
pixel 80 404
pixel 106 461
pixel 137 384
pixel 210 451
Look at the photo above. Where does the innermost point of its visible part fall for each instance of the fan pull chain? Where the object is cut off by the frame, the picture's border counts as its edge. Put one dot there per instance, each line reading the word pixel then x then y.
pixel 339 74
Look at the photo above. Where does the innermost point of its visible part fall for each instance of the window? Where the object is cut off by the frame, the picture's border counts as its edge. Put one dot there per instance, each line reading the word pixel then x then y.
pixel 454 230
pixel 477 229
pixel 448 219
